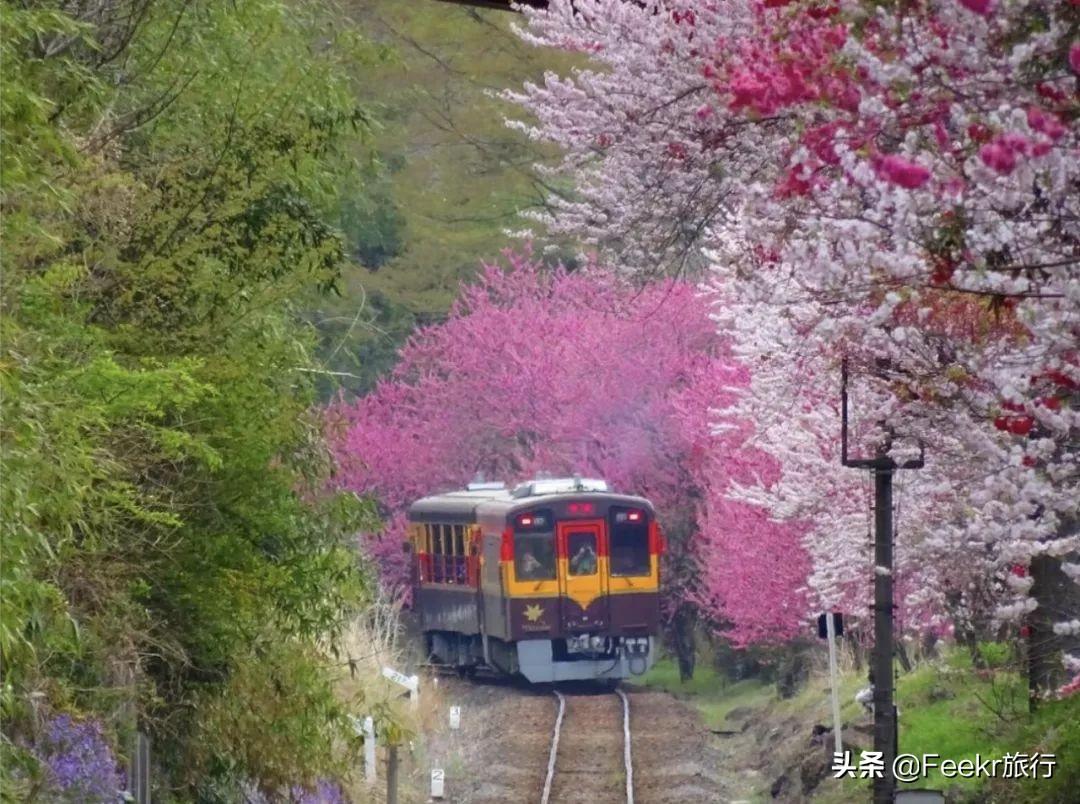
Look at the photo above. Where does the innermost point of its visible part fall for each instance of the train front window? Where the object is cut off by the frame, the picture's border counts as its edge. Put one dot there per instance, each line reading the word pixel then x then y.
pixel 630 548
pixel 534 556
pixel 581 547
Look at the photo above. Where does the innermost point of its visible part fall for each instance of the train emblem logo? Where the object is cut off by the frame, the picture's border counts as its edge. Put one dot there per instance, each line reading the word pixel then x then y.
pixel 533 613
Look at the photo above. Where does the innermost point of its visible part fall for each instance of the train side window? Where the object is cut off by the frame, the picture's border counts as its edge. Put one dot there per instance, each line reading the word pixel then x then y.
pixel 534 556
pixel 460 566
pixel 630 549
pixel 438 551
pixel 581 547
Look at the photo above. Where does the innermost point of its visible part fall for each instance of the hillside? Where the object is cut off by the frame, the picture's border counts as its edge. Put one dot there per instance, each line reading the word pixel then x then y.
pixel 452 179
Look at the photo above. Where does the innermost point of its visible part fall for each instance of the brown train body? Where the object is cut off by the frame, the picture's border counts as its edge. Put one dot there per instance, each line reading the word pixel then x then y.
pixel 556 580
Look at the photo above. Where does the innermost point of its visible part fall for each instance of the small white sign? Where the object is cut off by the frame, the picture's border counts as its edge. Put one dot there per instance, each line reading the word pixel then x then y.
pixel 408 682
pixel 411 683
pixel 438 782
pixel 455 717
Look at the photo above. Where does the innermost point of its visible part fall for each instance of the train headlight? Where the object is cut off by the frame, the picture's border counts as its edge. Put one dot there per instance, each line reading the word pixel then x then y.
pixel 597 642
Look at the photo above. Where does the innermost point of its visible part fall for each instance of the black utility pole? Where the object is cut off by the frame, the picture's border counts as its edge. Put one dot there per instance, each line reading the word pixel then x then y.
pixel 884 706
pixel 883 467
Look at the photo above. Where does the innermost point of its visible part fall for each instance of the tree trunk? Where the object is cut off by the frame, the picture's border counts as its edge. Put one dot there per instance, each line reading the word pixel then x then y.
pixel 793 669
pixel 1058 597
pixel 964 628
pixel 902 655
pixel 683 625
pixel 855 642
pixel 929 645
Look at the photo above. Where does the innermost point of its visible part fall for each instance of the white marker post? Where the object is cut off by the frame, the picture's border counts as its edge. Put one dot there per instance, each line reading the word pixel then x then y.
pixel 834 693
pixel 455 718
pixel 438 783
pixel 366 728
pixel 369 749
pixel 411 683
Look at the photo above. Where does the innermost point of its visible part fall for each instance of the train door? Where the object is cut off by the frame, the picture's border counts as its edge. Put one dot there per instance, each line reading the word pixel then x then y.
pixel 582 547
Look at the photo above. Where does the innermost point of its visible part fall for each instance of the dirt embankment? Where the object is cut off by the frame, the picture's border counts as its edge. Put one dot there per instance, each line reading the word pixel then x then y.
pixel 780 757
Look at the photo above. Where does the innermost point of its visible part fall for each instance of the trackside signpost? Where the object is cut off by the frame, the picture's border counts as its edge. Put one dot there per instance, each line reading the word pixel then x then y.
pixel 411 683
pixel 366 728
pixel 369 749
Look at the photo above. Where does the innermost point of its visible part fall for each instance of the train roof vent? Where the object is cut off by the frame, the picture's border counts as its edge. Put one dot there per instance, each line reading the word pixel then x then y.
pixel 559 485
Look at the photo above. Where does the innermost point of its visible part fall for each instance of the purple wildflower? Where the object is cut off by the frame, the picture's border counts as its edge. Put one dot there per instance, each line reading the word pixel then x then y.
pixel 325 792
pixel 78 762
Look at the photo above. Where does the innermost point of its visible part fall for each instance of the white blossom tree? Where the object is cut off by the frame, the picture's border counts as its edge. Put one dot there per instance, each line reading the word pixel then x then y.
pixel 894 184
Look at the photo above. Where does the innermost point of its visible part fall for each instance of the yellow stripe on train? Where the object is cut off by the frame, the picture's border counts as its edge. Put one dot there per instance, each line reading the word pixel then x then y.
pixel 583 589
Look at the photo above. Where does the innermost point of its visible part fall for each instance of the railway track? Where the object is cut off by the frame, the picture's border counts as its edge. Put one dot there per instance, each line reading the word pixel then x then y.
pixel 590 758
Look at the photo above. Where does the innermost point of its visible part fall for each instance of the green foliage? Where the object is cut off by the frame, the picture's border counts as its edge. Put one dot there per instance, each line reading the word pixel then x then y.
pixel 994 655
pixel 1054 729
pixel 297 723
pixel 947 707
pixel 168 547
pixel 953 711
pixel 461 178
pixel 957 710
pixel 370 220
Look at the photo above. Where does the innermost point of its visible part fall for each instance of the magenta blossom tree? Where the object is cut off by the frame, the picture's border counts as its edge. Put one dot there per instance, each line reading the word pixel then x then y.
pixel 583 372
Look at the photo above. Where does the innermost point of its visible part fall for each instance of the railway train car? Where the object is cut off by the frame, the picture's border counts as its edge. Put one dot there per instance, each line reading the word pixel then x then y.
pixel 555 580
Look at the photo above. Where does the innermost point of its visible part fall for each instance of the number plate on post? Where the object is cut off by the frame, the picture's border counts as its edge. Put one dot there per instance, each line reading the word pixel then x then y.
pixel 438 782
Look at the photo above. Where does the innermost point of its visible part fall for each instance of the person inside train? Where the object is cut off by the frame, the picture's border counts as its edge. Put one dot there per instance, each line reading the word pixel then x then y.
pixel 584 561
pixel 529 567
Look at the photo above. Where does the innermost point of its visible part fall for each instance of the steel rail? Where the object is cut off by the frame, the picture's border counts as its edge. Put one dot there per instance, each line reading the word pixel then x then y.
pixel 557 733
pixel 554 749
pixel 627 760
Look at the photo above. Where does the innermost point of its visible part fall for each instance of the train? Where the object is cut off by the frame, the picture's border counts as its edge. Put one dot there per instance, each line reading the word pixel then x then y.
pixel 557 579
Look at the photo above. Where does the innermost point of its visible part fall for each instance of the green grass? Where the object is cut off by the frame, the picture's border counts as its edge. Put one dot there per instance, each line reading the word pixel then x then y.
pixel 711 693
pixel 950 709
pixel 664 675
pixel 1055 729
pixel 946 708
pixel 812 701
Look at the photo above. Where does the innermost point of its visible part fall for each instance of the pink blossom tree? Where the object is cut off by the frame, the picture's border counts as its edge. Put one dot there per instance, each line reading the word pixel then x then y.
pixel 584 372
pixel 896 184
